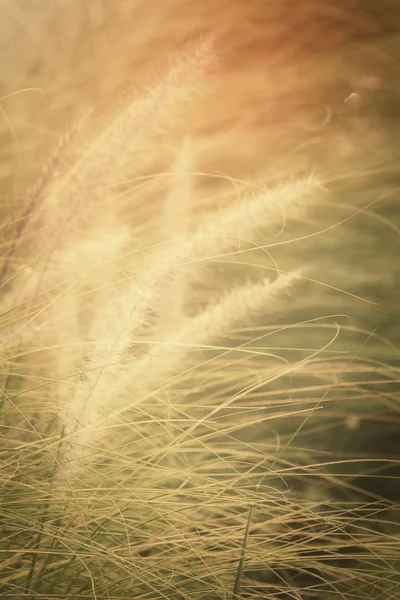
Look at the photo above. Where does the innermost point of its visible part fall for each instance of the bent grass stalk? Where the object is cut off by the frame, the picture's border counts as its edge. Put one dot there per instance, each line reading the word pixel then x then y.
pixel 205 329
pixel 177 219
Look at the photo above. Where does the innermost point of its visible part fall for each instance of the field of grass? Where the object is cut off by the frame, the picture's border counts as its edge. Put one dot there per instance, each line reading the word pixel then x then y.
pixel 199 305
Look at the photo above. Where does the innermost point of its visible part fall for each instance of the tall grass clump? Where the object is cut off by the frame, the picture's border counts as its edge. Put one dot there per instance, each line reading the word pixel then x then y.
pixel 199 302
